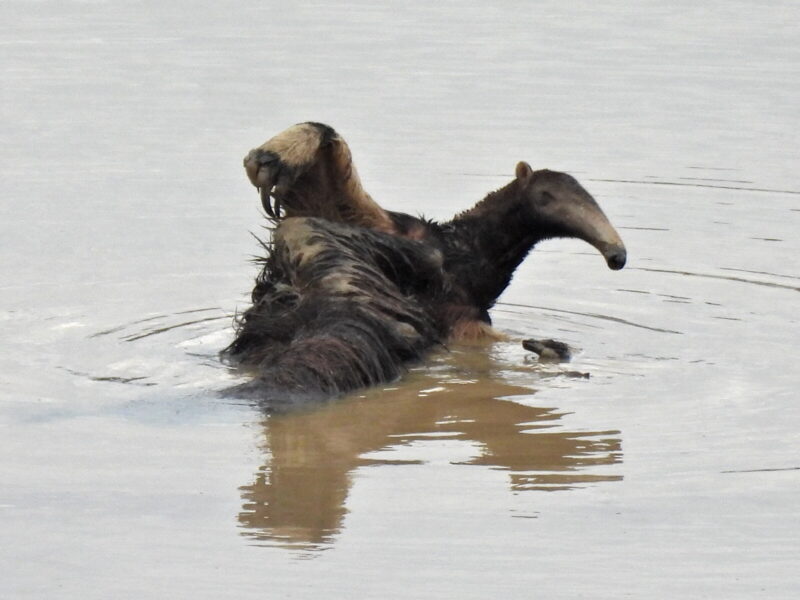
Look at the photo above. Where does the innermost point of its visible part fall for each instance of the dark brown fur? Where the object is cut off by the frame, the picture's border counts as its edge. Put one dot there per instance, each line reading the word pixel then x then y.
pixel 350 293
pixel 337 308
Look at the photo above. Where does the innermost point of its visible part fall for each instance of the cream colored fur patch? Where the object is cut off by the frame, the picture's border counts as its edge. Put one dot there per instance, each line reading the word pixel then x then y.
pixel 296 145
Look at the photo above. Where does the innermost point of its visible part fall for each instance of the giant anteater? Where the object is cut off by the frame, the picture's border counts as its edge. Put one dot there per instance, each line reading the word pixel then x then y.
pixel 349 293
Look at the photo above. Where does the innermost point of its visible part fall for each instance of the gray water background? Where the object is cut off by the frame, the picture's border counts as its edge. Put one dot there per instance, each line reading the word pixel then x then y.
pixel 672 471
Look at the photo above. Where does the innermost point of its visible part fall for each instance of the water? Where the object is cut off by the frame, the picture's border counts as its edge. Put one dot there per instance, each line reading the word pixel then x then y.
pixel 671 471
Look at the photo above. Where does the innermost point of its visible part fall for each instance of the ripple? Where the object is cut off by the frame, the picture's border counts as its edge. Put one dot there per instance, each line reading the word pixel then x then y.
pixel 717 180
pixel 723 277
pixel 136 380
pixel 593 316
pixel 159 330
pixel 764 470
pixel 770 274
pixel 644 228
pixel 151 331
pixel 699 185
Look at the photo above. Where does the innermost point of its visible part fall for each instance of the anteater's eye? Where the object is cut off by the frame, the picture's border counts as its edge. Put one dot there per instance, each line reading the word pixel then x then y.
pixel 546 198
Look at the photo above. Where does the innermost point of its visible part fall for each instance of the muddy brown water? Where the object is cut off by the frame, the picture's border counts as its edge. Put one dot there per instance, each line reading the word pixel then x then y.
pixel 661 462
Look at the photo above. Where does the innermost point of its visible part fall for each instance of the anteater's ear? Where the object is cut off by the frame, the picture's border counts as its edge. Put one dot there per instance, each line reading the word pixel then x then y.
pixel 524 171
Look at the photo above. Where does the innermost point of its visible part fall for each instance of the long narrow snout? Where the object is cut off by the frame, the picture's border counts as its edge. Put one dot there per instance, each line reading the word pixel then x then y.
pixel 572 211
pixel 600 233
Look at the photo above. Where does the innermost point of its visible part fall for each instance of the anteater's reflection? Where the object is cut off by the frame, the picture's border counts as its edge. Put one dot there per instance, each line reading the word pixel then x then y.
pixel 298 497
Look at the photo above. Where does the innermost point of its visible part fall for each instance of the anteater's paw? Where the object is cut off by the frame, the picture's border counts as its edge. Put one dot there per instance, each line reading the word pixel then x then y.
pixel 275 166
pixel 548 350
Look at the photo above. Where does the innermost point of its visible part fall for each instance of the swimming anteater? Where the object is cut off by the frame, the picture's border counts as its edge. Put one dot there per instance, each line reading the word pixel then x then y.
pixel 349 292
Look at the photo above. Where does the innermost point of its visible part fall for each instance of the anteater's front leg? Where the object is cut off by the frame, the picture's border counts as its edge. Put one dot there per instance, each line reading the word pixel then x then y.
pixel 308 171
pixel 548 350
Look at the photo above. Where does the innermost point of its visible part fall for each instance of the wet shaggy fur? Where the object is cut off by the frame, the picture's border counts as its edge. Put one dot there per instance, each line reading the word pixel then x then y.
pixel 336 308
pixel 350 293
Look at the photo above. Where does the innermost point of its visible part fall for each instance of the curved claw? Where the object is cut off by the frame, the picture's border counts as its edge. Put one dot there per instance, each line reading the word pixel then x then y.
pixel 272 179
pixel 266 201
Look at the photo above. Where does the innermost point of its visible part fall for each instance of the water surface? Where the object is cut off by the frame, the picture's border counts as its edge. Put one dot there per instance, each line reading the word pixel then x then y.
pixel 671 470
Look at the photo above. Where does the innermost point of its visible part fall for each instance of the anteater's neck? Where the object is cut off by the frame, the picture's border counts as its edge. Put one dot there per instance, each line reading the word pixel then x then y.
pixel 492 239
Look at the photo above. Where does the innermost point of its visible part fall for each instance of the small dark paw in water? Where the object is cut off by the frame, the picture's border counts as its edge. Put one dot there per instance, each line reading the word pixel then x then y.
pixel 548 350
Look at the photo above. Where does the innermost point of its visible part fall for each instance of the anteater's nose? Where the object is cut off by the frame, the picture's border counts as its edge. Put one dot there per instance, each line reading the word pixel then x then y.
pixel 616 259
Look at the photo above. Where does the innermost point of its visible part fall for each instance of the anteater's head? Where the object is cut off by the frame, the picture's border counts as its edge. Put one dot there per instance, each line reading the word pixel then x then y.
pixel 558 206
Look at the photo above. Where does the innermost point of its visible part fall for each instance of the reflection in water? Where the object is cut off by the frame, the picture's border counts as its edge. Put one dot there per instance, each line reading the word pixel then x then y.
pixel 298 497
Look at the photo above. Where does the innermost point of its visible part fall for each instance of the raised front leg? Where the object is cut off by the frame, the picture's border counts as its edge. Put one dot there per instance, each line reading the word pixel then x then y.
pixel 307 171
